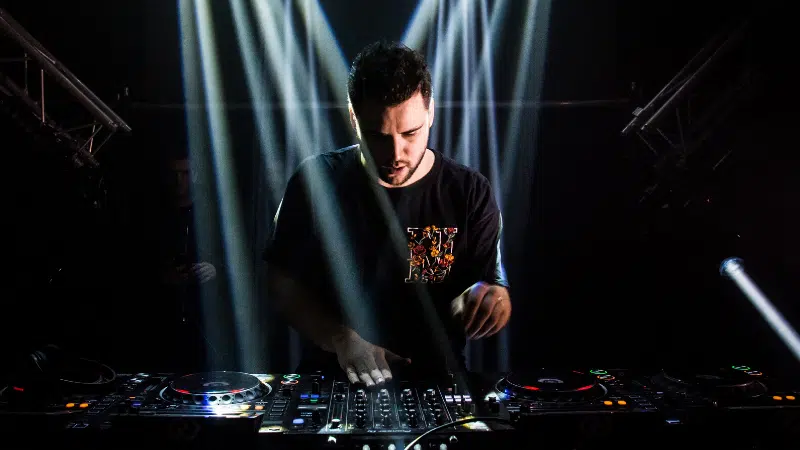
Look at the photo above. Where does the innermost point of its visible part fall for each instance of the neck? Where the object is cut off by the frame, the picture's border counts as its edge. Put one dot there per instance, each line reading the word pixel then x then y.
pixel 423 169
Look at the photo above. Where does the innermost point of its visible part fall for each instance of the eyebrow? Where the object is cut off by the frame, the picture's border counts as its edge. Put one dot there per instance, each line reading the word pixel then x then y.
pixel 402 132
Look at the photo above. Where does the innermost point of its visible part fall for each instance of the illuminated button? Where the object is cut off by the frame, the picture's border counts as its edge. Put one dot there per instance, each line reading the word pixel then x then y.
pixel 608 403
pixel 790 397
pixel 298 421
pixel 291 376
pixel 288 382
pixel 777 397
pixel 754 373
pixel 598 372
pixel 742 368
pixel 622 402
pixel 83 405
pixel 70 405
pixel 245 407
pixel 259 407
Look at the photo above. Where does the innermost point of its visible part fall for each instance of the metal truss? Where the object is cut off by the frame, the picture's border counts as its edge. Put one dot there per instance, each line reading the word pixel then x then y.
pixel 84 131
pixel 677 125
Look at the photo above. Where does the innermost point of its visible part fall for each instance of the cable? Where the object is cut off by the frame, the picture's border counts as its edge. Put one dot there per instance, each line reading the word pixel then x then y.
pixel 105 378
pixel 454 423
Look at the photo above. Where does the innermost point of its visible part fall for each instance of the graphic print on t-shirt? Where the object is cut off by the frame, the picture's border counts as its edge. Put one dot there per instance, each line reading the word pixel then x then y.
pixel 430 253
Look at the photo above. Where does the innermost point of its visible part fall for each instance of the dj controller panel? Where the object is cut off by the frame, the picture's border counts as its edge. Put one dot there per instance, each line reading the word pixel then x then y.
pixel 734 407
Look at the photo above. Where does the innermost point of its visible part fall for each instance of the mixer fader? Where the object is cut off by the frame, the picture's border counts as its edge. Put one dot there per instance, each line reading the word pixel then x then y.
pixel 403 407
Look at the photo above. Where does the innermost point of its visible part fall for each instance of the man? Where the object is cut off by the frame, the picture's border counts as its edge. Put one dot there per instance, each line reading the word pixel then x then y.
pixel 187 275
pixel 333 239
pixel 182 266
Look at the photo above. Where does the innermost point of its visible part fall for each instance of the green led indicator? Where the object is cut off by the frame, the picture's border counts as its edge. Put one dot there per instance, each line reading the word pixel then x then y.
pixel 742 368
pixel 598 372
pixel 291 376
pixel 313 400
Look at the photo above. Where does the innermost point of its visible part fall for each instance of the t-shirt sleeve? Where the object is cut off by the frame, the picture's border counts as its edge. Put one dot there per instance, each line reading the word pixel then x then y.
pixel 293 246
pixel 485 224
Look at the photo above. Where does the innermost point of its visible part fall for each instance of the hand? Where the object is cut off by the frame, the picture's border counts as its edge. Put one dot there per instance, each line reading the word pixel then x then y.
pixel 364 361
pixel 486 309
pixel 204 271
pixel 176 274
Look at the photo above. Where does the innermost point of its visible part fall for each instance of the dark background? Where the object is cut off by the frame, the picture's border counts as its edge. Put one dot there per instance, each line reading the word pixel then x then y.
pixel 598 277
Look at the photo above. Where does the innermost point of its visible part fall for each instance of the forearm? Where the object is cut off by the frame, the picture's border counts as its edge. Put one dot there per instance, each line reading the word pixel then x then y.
pixel 304 312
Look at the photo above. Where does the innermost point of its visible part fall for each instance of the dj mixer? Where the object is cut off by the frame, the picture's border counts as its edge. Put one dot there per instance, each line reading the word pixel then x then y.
pixel 738 406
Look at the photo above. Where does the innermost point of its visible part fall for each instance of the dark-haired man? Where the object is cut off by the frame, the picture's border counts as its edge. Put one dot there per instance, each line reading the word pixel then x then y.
pixel 338 223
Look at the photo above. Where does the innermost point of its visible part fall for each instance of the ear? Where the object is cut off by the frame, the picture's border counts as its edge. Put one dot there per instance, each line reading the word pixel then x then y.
pixel 431 113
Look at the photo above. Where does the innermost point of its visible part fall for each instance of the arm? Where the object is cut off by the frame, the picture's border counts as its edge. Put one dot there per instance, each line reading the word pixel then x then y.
pixel 294 250
pixel 304 311
pixel 486 305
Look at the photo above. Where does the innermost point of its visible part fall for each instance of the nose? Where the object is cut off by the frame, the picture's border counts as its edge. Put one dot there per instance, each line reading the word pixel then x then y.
pixel 398 148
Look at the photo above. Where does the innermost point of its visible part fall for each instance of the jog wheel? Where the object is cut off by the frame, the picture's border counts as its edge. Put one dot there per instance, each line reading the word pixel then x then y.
pixel 552 386
pixel 215 388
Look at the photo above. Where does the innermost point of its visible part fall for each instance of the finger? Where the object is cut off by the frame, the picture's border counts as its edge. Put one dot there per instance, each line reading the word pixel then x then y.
pixel 501 323
pixel 493 316
pixel 481 319
pixel 363 374
pixel 351 374
pixel 383 366
pixel 473 304
pixel 377 376
pixel 394 357
pixel 471 307
pixel 374 370
pixel 487 327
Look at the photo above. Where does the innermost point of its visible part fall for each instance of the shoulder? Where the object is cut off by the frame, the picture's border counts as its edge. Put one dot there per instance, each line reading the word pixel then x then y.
pixel 328 163
pixel 461 175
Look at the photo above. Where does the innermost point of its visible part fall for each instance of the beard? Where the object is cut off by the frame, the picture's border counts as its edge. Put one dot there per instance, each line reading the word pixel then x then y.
pixel 397 177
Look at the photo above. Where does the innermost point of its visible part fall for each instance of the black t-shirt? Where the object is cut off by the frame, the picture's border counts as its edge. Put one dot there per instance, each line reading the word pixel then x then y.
pixel 389 261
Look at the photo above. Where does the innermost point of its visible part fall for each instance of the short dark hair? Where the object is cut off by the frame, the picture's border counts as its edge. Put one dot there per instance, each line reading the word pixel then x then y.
pixel 388 73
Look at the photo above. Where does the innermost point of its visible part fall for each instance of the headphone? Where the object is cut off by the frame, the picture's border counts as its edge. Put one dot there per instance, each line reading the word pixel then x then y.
pixel 49 367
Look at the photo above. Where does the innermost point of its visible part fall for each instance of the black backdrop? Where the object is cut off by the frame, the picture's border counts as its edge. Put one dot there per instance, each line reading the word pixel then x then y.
pixel 598 279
